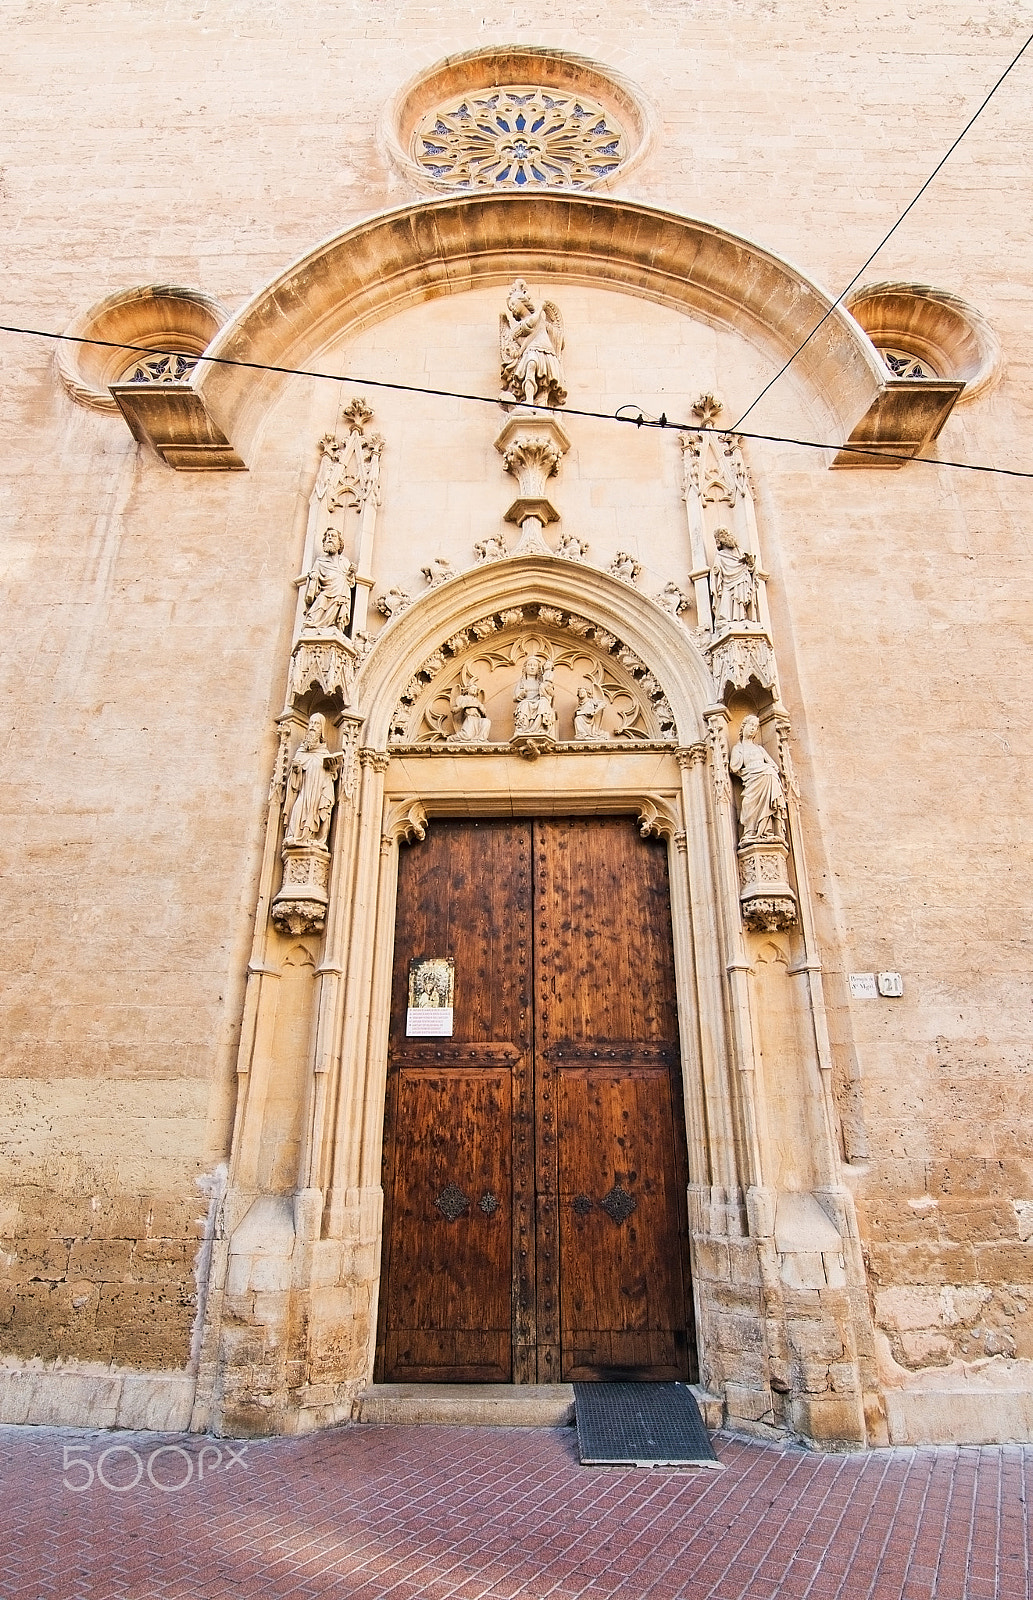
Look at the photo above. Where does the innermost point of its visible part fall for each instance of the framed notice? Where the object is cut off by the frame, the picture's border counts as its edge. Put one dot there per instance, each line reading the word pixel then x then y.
pixel 432 987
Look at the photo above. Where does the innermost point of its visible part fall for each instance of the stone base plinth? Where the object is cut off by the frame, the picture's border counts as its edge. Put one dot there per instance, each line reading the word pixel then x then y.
pixel 766 896
pixel 300 906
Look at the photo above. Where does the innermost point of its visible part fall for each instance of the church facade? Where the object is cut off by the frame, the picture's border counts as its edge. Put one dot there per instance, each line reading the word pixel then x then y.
pixel 516 868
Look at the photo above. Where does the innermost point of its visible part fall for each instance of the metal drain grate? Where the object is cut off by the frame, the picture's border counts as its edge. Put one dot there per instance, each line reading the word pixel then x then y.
pixel 640 1425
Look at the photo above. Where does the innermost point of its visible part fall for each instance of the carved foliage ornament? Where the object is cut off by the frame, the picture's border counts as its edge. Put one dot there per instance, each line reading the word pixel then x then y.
pixel 519 136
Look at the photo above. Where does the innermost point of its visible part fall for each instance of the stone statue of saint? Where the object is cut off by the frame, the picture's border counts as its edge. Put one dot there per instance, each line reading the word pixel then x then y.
pixel 309 800
pixel 762 805
pixel 328 589
pixel 472 723
pixel 533 709
pixel 733 581
pixel 588 718
pixel 531 347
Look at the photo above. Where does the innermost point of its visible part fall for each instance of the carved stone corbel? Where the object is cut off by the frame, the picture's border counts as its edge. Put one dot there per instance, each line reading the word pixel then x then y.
pixel 766 895
pixel 532 444
pixel 658 815
pixel 404 820
pixel 327 664
pixel 300 906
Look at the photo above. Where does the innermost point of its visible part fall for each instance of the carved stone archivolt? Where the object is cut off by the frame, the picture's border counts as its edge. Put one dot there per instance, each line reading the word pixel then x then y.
pixel 532 678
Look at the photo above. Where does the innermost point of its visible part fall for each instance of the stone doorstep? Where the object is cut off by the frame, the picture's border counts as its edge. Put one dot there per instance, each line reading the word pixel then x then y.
pixel 489 1405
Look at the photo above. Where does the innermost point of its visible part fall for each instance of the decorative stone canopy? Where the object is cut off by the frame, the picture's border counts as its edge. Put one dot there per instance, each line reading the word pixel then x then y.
pixel 447 246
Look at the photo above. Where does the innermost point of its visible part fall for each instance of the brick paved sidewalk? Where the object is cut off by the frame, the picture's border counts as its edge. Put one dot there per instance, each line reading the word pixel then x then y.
pixel 460 1513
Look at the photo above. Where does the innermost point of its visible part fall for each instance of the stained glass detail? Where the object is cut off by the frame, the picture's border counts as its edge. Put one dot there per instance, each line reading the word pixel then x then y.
pixel 517 137
pixel 173 368
pixel 903 364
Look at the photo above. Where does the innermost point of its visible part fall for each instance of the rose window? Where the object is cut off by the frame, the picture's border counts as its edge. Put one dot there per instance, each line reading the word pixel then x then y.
pixel 514 137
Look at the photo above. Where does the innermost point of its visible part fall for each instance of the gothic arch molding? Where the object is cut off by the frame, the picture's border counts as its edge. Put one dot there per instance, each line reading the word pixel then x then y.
pixel 446 246
pixel 664 645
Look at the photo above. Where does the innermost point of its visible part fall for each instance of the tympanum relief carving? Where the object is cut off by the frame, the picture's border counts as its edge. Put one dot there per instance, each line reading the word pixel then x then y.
pixel 531 679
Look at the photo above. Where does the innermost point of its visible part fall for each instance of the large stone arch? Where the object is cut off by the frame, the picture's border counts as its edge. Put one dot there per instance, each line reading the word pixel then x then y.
pixel 434 248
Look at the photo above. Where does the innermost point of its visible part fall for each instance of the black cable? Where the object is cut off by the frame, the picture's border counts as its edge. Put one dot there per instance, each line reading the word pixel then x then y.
pixel 839 300
pixel 639 420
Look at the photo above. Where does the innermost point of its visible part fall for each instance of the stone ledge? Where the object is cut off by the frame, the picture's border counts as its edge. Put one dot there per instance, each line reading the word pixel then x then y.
pixel 471 1405
pixel 962 1415
pixel 491 1405
pixel 104 1398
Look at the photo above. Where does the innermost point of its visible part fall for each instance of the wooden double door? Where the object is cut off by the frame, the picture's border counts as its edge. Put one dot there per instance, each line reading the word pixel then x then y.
pixel 534 1161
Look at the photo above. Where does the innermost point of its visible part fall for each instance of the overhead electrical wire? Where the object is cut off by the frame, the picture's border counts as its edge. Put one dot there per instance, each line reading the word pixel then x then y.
pixel 639 420
pixel 885 240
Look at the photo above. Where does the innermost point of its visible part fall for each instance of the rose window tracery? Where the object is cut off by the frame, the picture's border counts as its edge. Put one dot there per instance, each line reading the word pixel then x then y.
pixel 513 137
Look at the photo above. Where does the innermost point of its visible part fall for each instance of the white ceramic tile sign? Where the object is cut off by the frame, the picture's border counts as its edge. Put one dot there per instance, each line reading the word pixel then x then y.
pixel 862 986
pixel 432 983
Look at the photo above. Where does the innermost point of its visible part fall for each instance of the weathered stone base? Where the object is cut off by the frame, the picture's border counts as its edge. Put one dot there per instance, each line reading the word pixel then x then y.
pixel 89 1395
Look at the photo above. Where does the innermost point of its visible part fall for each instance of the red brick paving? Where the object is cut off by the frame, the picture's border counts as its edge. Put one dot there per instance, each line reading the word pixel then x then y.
pixel 503 1514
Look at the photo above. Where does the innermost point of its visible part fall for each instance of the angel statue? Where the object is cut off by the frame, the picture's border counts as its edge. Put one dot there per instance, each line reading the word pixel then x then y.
pixel 328 588
pixel 588 718
pixel 309 800
pixel 531 345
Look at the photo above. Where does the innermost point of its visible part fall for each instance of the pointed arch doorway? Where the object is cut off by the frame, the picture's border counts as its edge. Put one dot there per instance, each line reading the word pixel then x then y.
pixel 534 1172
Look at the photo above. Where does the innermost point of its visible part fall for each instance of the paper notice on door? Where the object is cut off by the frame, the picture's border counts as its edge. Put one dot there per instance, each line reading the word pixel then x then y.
pixel 432 982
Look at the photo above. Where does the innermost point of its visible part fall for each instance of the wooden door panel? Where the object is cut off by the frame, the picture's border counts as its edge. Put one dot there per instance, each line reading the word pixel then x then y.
pixel 450 1274
pixel 465 892
pixel 602 918
pixel 457 1297
pixel 622 1245
pixel 560 1083
pixel 608 1101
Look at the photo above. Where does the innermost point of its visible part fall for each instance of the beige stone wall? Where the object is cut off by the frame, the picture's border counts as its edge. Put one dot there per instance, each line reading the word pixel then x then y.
pixel 147 613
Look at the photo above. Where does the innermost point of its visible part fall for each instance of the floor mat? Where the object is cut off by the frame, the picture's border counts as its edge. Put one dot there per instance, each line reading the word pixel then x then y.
pixel 640 1425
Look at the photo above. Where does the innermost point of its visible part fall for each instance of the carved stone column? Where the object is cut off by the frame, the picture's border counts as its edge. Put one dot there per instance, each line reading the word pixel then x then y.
pixel 344 1196
pixel 532 445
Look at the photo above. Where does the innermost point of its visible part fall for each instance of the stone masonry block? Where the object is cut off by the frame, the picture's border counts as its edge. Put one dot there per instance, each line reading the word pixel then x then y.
pixel 815 1341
